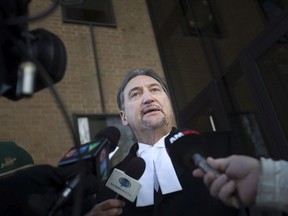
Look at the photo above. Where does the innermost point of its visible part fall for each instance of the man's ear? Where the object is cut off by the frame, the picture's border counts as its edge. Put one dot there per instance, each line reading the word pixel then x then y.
pixel 123 118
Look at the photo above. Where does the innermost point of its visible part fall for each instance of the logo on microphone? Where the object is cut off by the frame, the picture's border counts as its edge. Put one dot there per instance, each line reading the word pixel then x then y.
pixel 124 182
pixel 178 135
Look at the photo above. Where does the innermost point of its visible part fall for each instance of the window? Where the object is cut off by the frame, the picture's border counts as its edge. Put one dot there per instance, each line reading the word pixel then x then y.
pixel 88 125
pixel 91 12
pixel 200 18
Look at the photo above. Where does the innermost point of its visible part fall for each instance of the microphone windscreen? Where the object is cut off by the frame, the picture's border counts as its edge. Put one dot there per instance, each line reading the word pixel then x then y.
pixel 111 133
pixel 135 168
pixel 181 145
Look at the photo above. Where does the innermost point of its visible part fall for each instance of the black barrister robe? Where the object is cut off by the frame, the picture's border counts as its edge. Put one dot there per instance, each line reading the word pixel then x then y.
pixel 194 199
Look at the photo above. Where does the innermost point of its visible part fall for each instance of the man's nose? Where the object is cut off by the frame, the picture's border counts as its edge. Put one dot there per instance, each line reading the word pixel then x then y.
pixel 147 96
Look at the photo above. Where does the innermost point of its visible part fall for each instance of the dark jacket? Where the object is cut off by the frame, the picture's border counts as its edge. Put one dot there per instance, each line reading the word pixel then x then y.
pixel 194 199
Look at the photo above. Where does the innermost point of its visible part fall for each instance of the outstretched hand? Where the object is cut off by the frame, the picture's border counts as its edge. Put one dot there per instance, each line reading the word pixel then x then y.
pixel 238 173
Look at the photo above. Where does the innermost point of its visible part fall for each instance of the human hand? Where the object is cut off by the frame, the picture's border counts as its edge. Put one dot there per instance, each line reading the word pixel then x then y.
pixel 238 173
pixel 110 207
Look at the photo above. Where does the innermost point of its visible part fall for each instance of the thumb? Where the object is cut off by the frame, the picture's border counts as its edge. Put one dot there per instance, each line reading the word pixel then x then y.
pixel 219 164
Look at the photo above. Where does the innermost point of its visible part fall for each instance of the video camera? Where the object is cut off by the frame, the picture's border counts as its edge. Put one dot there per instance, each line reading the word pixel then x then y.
pixel 26 55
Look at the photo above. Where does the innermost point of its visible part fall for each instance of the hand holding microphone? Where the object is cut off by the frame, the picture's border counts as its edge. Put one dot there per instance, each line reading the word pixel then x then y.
pixel 239 173
pixel 125 185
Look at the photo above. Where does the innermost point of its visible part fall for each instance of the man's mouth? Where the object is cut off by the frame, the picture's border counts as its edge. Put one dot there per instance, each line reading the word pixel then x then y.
pixel 151 110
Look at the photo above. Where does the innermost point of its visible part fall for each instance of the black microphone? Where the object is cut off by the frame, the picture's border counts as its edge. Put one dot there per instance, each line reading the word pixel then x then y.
pixel 65 194
pixel 97 151
pixel 125 183
pixel 181 145
pixel 112 134
pixel 107 137
pixel 136 168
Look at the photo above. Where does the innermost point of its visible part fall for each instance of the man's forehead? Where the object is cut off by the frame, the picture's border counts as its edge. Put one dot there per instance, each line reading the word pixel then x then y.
pixel 139 81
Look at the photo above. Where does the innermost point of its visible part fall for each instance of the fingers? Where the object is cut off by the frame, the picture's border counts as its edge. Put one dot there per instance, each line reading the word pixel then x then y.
pixel 219 164
pixel 111 207
pixel 198 173
pixel 215 184
pixel 222 188
pixel 111 203
pixel 227 194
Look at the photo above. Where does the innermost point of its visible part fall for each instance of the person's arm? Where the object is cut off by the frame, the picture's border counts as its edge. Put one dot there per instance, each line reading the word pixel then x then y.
pixel 272 191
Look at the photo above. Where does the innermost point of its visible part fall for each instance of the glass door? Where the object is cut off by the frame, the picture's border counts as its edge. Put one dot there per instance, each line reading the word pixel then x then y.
pixel 205 112
pixel 251 98
pixel 265 64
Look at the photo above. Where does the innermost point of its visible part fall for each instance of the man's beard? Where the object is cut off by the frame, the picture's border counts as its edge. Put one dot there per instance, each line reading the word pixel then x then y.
pixel 152 124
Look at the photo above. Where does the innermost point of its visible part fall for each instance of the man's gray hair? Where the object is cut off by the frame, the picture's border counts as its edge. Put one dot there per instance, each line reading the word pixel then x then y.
pixel 137 72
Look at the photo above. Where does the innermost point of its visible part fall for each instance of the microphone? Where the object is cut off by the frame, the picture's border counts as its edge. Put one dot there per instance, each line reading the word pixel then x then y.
pixel 136 168
pixel 182 144
pixel 95 152
pixel 200 162
pixel 111 133
pixel 107 137
pixel 65 194
pixel 125 183
pixel 98 152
